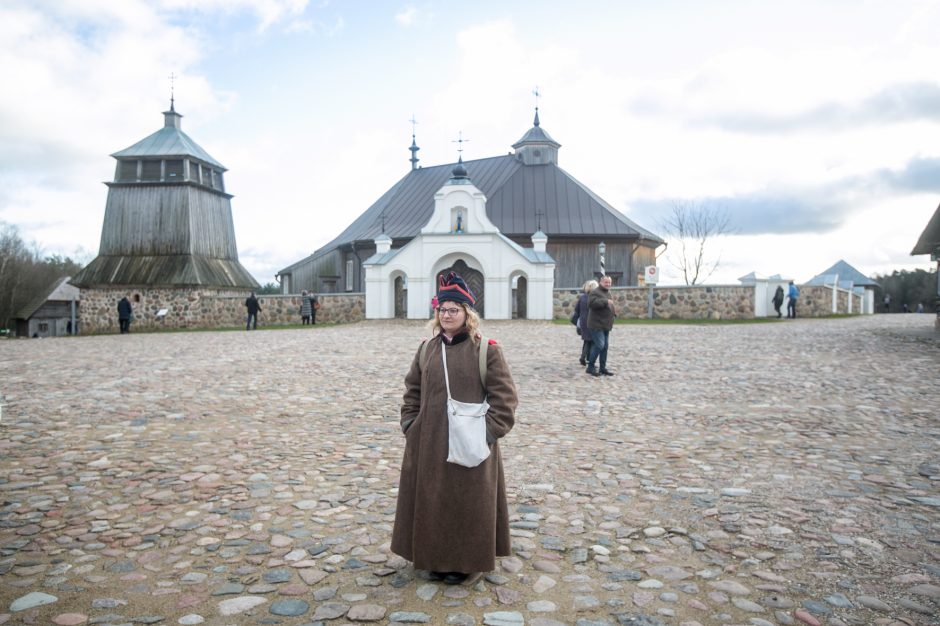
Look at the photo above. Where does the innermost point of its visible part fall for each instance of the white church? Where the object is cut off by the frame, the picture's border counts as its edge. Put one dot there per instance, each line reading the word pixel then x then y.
pixel 460 237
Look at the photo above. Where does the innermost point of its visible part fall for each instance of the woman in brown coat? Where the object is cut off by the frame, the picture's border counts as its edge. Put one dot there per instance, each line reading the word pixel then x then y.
pixel 453 520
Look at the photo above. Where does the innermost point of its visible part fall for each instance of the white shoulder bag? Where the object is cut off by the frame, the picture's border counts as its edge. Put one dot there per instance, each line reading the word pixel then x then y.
pixel 466 425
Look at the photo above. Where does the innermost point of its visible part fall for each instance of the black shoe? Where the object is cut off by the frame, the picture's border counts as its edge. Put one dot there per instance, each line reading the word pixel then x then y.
pixel 583 362
pixel 437 575
pixel 606 373
pixel 592 372
pixel 454 578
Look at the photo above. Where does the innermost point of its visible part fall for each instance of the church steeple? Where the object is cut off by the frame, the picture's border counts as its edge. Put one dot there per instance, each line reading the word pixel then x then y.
pixel 414 153
pixel 414 147
pixel 171 119
pixel 536 147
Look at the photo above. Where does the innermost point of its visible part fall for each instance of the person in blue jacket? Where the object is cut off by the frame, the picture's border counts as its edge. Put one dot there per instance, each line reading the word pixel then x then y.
pixel 793 294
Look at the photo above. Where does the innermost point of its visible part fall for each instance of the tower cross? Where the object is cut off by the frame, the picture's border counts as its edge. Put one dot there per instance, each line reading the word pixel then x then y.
pixel 460 141
pixel 413 123
pixel 172 78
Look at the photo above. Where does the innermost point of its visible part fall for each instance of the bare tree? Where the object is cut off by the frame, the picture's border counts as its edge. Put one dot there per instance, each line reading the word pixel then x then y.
pixel 694 226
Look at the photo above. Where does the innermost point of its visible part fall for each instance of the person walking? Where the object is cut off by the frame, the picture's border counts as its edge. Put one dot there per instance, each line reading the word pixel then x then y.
pixel 778 300
pixel 305 308
pixel 793 293
pixel 887 302
pixel 125 311
pixel 450 519
pixel 580 318
pixel 253 307
pixel 601 314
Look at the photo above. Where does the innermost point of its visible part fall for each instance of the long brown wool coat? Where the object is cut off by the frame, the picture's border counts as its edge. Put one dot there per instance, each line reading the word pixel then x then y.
pixel 452 518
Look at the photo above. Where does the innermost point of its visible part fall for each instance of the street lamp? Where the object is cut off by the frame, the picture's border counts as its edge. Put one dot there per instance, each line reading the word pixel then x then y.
pixel 602 249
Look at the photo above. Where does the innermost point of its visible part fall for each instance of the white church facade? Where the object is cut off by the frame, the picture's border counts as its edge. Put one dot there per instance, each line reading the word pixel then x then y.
pixel 515 281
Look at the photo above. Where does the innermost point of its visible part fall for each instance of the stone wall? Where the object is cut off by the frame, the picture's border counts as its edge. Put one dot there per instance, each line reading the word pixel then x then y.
pixel 278 310
pixel 816 301
pixel 733 302
pixel 206 308
pixel 694 302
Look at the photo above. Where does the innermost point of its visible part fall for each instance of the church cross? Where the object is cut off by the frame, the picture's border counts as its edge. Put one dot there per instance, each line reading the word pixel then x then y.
pixel 538 220
pixel 537 94
pixel 172 78
pixel 413 123
pixel 460 141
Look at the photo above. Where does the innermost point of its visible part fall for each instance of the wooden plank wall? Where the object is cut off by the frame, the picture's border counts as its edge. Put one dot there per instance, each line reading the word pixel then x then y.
pixel 159 220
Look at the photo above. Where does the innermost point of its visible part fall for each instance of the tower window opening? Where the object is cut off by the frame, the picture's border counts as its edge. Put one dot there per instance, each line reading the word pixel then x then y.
pixel 150 170
pixel 174 169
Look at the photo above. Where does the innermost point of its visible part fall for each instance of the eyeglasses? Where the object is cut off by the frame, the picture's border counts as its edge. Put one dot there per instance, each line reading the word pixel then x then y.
pixel 448 311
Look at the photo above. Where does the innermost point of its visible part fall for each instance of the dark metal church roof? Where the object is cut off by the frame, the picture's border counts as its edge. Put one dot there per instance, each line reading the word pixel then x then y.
pixel 514 193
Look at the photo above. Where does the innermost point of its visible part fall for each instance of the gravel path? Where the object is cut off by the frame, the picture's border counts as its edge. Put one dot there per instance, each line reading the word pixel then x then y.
pixel 783 473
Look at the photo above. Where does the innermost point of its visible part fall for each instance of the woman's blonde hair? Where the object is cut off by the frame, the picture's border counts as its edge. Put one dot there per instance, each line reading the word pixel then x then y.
pixel 472 324
pixel 589 286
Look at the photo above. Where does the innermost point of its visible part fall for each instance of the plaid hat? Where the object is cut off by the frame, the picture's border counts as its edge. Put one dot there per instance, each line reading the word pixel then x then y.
pixel 452 288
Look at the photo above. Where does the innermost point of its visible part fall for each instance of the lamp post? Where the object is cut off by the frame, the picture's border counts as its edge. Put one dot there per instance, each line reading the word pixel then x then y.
pixel 601 249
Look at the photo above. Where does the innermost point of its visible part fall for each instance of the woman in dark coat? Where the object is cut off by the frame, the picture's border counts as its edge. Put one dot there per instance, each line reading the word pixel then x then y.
pixel 778 299
pixel 450 519
pixel 580 318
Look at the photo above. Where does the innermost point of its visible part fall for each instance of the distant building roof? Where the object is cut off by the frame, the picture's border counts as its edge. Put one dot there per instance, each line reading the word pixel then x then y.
pixel 929 241
pixel 59 291
pixel 844 272
pixel 169 141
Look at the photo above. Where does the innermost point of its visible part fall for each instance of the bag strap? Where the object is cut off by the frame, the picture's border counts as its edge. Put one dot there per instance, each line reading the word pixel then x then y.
pixel 484 346
pixel 446 377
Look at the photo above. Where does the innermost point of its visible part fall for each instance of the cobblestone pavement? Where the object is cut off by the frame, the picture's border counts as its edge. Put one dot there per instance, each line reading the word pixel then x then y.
pixel 783 473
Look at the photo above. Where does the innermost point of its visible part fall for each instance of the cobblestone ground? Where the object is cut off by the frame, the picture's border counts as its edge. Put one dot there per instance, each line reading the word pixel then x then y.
pixel 744 474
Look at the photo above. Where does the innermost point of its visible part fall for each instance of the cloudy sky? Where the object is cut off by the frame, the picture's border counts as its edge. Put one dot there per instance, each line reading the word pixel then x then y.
pixel 814 124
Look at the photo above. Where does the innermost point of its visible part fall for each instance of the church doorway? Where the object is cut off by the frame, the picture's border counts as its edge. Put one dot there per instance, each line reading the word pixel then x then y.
pixel 520 298
pixel 401 298
pixel 473 278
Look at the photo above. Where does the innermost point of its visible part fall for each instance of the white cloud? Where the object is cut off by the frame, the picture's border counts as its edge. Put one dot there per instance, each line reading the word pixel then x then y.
pixel 268 12
pixel 89 77
pixel 406 17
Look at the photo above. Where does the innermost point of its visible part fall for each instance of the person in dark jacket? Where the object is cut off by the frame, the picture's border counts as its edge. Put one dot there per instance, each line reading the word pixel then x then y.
pixel 778 300
pixel 453 520
pixel 125 310
pixel 253 307
pixel 314 307
pixel 580 318
pixel 601 314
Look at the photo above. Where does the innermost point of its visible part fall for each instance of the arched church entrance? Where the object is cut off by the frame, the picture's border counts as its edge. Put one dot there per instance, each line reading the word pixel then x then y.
pixel 472 277
pixel 520 298
pixel 401 298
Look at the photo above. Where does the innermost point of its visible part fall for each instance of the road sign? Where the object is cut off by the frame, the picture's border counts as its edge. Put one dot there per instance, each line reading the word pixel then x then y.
pixel 652 275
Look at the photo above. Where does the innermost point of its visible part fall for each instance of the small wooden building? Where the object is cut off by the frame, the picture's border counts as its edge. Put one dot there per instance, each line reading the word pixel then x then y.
pixel 50 315
pixel 168 238
pixel 525 192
